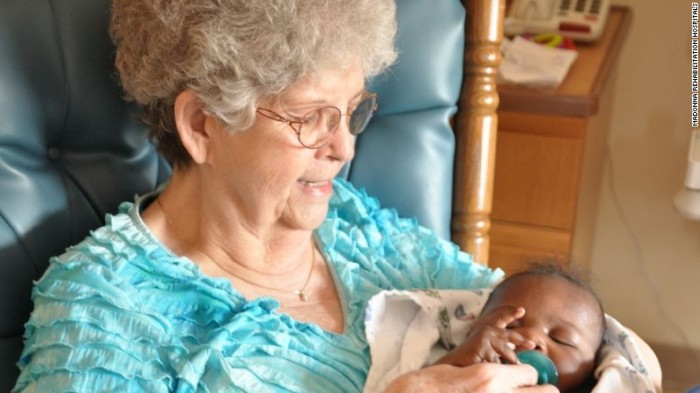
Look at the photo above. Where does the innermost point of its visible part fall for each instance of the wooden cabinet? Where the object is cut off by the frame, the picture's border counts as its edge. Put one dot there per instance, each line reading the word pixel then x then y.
pixel 549 157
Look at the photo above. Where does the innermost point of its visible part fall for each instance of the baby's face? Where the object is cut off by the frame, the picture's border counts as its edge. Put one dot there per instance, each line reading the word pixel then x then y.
pixel 562 319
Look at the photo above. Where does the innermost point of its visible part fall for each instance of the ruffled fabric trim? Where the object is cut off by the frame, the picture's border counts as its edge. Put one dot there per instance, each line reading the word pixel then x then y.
pixel 374 249
pixel 121 312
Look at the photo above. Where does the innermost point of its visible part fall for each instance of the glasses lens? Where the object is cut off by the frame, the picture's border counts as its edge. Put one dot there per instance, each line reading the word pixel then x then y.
pixel 362 114
pixel 318 125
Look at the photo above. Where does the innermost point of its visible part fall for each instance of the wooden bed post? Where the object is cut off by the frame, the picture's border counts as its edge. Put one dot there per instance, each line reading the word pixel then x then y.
pixel 475 128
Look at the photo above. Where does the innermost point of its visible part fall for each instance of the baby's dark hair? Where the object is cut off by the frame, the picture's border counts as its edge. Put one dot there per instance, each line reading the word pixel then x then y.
pixel 556 268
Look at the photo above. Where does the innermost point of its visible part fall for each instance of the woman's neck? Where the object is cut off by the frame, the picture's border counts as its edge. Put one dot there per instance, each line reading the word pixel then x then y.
pixel 208 225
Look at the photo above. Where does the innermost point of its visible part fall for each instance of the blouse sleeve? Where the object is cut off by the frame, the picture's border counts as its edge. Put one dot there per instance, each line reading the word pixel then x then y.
pixel 86 333
pixel 405 254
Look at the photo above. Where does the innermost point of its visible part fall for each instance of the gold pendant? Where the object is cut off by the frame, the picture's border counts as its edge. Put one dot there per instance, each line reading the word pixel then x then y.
pixel 302 295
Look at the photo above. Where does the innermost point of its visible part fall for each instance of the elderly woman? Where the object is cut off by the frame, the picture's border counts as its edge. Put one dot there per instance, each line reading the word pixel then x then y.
pixel 250 270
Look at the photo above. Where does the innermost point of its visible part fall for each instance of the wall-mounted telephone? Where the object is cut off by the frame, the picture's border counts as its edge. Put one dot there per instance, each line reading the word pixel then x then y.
pixel 581 20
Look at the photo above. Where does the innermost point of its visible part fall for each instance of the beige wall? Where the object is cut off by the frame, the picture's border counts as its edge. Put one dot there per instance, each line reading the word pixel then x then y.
pixel 646 257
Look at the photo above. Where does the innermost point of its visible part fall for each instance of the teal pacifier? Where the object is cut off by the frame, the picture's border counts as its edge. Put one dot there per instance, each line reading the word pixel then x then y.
pixel 546 370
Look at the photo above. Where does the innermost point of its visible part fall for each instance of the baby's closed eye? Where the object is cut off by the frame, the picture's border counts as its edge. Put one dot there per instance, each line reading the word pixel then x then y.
pixel 564 337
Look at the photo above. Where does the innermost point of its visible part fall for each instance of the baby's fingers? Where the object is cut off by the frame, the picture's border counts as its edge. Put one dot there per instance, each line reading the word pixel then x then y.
pixel 502 316
pixel 506 350
pixel 520 342
pixel 508 343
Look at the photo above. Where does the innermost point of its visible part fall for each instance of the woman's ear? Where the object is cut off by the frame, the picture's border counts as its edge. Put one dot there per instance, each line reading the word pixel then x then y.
pixel 190 119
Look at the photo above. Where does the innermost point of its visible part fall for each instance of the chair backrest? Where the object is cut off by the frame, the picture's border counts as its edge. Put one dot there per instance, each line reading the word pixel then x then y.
pixel 406 156
pixel 71 149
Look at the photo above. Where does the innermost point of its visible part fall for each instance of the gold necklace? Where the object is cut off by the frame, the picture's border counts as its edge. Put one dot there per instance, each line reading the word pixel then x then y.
pixel 301 292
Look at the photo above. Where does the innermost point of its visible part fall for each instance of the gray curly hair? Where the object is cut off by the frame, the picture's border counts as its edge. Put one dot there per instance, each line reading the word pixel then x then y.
pixel 232 53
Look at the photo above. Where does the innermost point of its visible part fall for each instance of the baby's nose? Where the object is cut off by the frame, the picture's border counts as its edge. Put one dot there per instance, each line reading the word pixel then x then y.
pixel 537 337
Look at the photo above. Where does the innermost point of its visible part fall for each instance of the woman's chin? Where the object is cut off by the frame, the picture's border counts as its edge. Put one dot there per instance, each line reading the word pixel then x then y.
pixel 309 221
pixel 307 207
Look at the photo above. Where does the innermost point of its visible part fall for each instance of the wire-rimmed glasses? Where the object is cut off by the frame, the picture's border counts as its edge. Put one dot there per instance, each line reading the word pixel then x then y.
pixel 315 128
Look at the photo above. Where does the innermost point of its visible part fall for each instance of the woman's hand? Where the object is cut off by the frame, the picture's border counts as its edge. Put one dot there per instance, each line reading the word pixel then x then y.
pixel 490 341
pixel 479 378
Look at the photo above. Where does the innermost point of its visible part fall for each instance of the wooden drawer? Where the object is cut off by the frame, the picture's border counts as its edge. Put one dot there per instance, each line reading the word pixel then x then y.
pixel 513 246
pixel 538 170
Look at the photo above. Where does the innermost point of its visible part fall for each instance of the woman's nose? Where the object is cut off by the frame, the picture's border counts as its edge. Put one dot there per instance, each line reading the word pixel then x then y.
pixel 341 145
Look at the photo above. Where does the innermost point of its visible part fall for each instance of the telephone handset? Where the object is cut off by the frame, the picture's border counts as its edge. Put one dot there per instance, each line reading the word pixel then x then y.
pixel 581 20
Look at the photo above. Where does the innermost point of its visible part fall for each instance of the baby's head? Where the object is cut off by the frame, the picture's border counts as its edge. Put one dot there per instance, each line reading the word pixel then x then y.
pixel 563 316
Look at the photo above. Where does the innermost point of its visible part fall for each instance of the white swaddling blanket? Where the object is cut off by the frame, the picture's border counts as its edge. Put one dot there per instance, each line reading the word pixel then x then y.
pixel 408 330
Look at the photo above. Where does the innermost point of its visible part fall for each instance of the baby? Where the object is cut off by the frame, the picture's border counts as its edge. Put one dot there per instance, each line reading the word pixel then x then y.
pixel 546 308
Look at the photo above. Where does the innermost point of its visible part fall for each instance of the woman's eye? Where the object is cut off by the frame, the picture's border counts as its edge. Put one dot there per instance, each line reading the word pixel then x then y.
pixel 311 118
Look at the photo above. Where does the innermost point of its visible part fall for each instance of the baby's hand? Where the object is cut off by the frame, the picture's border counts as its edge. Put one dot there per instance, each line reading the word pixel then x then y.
pixel 490 341
pixel 499 317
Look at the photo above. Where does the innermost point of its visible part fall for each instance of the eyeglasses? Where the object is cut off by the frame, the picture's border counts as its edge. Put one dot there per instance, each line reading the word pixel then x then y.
pixel 315 128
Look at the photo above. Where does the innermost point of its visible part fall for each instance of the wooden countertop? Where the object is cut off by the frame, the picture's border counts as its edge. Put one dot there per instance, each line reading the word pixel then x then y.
pixel 580 91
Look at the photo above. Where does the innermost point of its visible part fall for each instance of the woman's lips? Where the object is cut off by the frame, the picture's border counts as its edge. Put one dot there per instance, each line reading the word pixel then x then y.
pixel 317 188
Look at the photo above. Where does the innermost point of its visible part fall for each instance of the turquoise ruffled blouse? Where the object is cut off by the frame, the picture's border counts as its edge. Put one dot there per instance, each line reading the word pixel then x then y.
pixel 120 312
